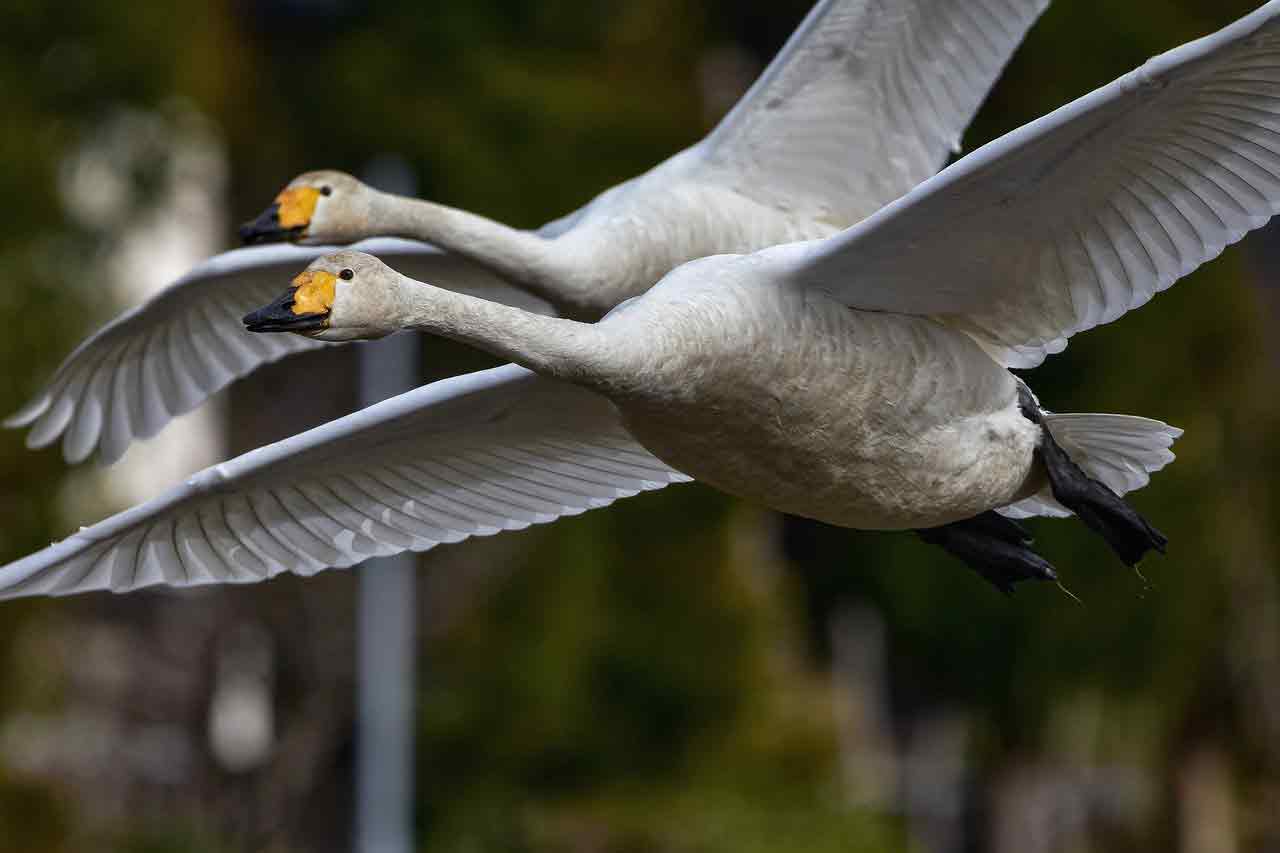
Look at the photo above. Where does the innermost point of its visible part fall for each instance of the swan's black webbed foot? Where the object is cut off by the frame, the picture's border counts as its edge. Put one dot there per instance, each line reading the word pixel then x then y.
pixel 995 547
pixel 1129 534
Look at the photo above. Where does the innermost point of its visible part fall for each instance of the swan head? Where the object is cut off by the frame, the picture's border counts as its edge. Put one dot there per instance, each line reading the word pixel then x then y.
pixel 316 207
pixel 345 296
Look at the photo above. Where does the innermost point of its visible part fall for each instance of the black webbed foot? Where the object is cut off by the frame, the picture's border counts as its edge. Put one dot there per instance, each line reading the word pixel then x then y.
pixel 995 547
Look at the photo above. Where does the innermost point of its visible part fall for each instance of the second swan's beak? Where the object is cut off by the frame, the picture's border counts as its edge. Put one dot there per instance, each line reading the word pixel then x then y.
pixel 286 218
pixel 303 308
pixel 265 229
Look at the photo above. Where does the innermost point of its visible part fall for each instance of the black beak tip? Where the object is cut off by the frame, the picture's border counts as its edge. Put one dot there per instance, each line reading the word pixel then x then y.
pixel 265 229
pixel 255 322
pixel 279 317
pixel 253 318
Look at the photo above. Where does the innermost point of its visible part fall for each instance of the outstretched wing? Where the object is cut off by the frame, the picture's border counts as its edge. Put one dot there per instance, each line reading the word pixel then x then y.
pixel 469 456
pixel 1082 215
pixel 867 99
pixel 170 354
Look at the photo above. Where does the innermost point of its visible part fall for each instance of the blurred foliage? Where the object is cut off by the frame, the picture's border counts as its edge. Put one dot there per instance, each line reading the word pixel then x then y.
pixel 640 679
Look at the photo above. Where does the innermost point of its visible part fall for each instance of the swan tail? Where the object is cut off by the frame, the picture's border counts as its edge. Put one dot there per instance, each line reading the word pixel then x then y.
pixel 1120 451
pixel 1092 461
pixel 1106 513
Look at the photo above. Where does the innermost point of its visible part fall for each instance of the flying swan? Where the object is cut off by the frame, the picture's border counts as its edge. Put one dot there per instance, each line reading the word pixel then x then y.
pixel 865 101
pixel 859 379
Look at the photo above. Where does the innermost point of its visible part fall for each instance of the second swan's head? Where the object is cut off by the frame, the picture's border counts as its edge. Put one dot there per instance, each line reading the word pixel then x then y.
pixel 345 296
pixel 316 207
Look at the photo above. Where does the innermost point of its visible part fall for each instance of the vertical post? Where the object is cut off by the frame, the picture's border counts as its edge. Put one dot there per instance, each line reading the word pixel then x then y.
pixel 385 621
pixel 385 652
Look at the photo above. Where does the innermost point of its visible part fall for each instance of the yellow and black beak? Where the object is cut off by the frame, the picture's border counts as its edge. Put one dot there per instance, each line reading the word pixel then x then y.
pixel 305 307
pixel 286 219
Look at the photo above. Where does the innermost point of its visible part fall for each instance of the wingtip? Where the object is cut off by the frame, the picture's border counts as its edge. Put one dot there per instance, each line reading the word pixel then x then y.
pixel 27 415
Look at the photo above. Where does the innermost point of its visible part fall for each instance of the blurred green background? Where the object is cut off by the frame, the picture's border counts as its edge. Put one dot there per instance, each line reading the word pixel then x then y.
pixel 681 672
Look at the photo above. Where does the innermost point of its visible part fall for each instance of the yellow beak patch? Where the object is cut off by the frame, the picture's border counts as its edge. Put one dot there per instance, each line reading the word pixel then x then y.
pixel 297 205
pixel 313 292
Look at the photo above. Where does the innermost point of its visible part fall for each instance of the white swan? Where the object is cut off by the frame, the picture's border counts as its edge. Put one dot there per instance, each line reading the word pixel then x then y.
pixel 861 379
pixel 864 102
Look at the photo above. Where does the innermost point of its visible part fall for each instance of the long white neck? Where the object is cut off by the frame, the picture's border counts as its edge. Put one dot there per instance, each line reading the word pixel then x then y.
pixel 553 346
pixel 521 257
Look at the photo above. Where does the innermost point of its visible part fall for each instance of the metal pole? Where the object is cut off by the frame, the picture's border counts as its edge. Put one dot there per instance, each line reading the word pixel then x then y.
pixel 385 625
pixel 385 656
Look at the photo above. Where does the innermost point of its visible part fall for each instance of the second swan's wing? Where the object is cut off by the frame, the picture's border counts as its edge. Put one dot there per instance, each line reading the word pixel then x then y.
pixel 867 99
pixel 174 351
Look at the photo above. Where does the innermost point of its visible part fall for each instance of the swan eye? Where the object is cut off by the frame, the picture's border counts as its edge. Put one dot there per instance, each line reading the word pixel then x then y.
pixel 326 190
pixel 347 275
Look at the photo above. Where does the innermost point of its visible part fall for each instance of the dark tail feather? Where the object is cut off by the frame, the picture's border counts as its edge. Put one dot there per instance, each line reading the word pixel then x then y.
pixel 995 547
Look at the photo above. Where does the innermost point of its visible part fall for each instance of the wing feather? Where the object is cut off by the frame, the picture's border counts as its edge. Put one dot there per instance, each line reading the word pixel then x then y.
pixel 1083 215
pixel 172 353
pixel 469 456
pixel 866 99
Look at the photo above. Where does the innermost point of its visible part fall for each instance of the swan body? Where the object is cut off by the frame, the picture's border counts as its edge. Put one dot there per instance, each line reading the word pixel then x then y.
pixel 865 101
pixel 788 398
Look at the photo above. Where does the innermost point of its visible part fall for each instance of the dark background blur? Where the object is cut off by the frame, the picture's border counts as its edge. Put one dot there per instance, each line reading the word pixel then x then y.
pixel 681 672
